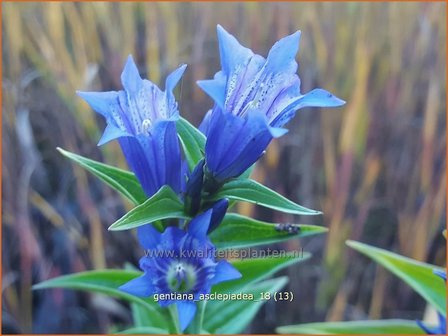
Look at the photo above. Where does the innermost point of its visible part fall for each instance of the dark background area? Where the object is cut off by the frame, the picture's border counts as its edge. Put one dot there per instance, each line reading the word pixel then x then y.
pixel 375 167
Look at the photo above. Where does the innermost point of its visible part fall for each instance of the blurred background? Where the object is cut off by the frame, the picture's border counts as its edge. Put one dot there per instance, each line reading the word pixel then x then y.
pixel 376 167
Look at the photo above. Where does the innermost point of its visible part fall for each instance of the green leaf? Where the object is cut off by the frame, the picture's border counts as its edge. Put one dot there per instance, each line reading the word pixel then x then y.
pixel 163 204
pixel 144 330
pixel 257 269
pixel 251 191
pixel 107 282
pixel 192 140
pixel 122 181
pixel 416 274
pixel 354 327
pixel 240 231
pixel 253 271
pixel 140 316
pixel 232 317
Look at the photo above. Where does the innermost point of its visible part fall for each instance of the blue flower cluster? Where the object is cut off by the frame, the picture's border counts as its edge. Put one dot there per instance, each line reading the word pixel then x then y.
pixel 254 98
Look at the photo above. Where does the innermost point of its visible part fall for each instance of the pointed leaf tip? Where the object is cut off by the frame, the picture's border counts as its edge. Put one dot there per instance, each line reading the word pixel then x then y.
pixel 253 192
pixel 163 204
pixel 416 274
pixel 122 181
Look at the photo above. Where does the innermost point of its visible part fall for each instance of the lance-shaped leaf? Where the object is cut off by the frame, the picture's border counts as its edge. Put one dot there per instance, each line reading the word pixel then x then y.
pixel 164 204
pixel 394 326
pixel 107 282
pixel 416 274
pixel 234 316
pixel 143 331
pixel 192 140
pixel 256 269
pixel 251 191
pixel 122 181
pixel 240 231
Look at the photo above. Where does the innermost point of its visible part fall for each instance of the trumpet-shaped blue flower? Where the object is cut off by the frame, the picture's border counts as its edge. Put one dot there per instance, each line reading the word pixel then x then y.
pixel 441 328
pixel 254 97
pixel 179 262
pixel 142 118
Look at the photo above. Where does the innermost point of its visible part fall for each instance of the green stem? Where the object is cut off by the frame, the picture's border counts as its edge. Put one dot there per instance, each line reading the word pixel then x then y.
pixel 196 327
pixel 175 316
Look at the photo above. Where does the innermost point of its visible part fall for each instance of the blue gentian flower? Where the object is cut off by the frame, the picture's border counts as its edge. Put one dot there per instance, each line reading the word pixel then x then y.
pixel 142 118
pixel 254 97
pixel 441 328
pixel 179 262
